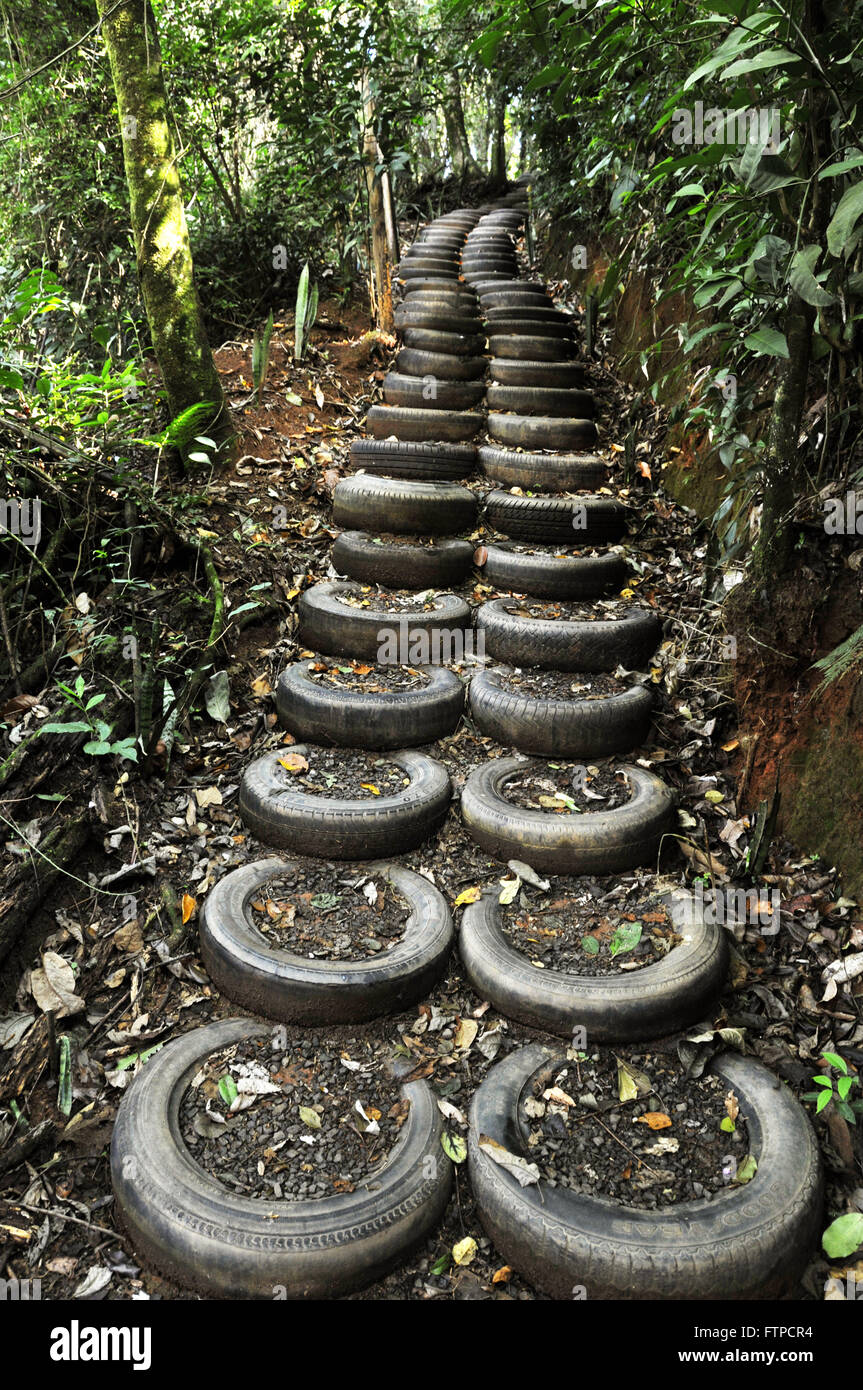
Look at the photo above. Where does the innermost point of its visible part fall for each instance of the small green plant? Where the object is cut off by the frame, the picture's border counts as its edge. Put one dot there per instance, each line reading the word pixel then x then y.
pixel 835 1090
pixel 99 743
pixel 261 356
pixel 305 314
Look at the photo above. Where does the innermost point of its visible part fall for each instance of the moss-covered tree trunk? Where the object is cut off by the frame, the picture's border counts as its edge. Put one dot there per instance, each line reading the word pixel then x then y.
pixel 381 267
pixel 162 249
pixel 497 162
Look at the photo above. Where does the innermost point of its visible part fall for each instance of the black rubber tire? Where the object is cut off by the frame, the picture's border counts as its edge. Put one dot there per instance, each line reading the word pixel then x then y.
pixel 537 311
pixel 624 1007
pixel 402 507
pixel 412 362
pixel 340 630
pixel 534 294
pixel 461 301
pixel 432 393
pixel 550 519
pixel 371 561
pixel 422 250
pixel 558 330
pixel 199 1234
pixel 398 459
pixel 440 320
pixel 600 842
pixel 494 287
pixel 551 575
pixel 324 827
pixel 567 646
pixel 558 728
pixel 542 431
pixel 474 278
pixel 750 1242
pixel 551 401
pixel 442 267
pixel 432 284
pixel 274 983
pixel 478 265
pixel 526 347
pixel 432 340
pixel 561 375
pixel 355 719
pixel 424 426
pixel 546 472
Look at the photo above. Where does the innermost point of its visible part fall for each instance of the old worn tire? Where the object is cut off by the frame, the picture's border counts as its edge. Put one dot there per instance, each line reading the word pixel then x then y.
pixel 495 287
pixel 561 375
pixel 451 290
pixel 577 728
pixel 338 629
pixel 624 1007
pixel 372 561
pixel 543 472
pixel 274 983
pixel 327 827
pixel 440 320
pixel 443 365
pixel 554 329
pixel 205 1237
pixel 527 347
pixel 542 400
pixel 522 294
pixel 356 719
pixel 535 310
pixel 433 340
pixel 550 519
pixel 542 431
pixel 400 506
pixel 398 458
pixel 422 269
pixel 431 392
pixel 551 575
pixel 601 842
pixel 750 1242
pixel 404 422
pixel 568 646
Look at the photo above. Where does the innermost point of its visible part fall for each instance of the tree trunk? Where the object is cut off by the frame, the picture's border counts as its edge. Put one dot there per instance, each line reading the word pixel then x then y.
pixel 162 249
pixel 460 154
pixel 497 164
pixel 381 269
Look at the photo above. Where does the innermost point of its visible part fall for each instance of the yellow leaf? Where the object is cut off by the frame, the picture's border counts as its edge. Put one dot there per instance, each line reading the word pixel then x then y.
pixel 466 1032
pixel 294 762
pixel 655 1119
pixel 464 1250
pixel 189 905
pixel 370 787
pixel 470 895
pixel 715 796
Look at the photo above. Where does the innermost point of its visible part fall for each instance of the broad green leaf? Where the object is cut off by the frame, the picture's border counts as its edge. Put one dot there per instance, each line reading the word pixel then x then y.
pixel 626 938
pixel 803 280
pixel 850 209
pixel 844 1235
pixel 454 1147
pixel 64 1092
pixel 770 58
pixel 768 341
pixel 228 1088
pixel 590 945
pixel 747 1169
pixel 310 1117
pixel 842 167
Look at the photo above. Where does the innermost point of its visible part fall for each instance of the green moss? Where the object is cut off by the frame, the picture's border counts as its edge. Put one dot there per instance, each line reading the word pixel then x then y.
pixel 823 809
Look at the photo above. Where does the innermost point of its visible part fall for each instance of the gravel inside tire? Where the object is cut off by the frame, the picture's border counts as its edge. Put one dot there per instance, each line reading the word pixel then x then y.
pixel 324 827
pixel 603 842
pixel 401 506
pixel 550 519
pixel 555 728
pixel 275 983
pixel 542 431
pixel 624 1007
pixel 326 625
pixel 318 714
pixel 553 576
pixel 568 646
pixel 546 472
pixel 423 426
pixel 373 561
pixel 224 1245
pixel 400 459
pixel 751 1242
